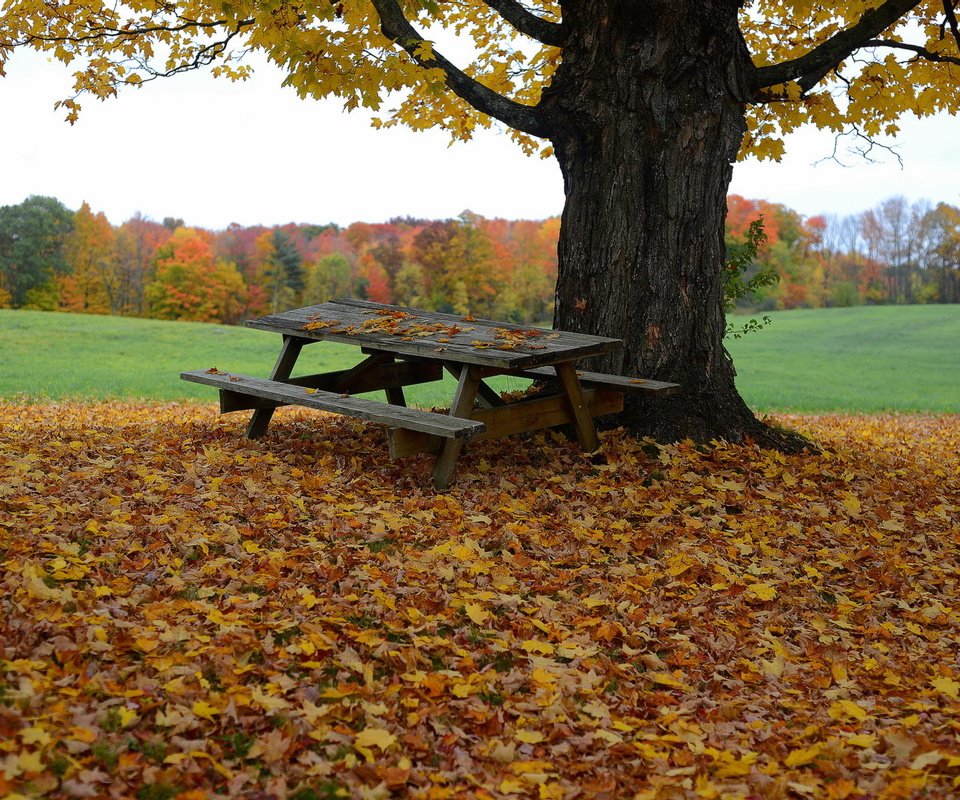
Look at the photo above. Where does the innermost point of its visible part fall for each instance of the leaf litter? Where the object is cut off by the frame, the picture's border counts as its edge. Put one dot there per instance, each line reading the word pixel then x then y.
pixel 186 613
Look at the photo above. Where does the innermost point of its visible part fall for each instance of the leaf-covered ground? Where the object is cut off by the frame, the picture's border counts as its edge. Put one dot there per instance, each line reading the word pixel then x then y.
pixel 185 613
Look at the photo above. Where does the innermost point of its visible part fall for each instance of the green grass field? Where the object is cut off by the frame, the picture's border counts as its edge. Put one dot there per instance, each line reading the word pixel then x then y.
pixel 50 356
pixel 902 358
pixel 864 359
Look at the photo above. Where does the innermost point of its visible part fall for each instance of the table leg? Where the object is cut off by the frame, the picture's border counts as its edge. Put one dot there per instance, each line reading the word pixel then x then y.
pixel 582 420
pixel 462 406
pixel 394 393
pixel 395 396
pixel 289 353
pixel 487 397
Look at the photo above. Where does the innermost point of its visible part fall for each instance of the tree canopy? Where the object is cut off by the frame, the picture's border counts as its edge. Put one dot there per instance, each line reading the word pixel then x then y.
pixel 853 67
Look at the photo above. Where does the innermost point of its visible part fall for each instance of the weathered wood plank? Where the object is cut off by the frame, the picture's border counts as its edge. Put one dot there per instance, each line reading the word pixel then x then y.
pixel 391 377
pixel 520 417
pixel 289 353
pixel 448 427
pixel 582 421
pixel 232 401
pixel 385 376
pixel 461 408
pixel 622 383
pixel 457 338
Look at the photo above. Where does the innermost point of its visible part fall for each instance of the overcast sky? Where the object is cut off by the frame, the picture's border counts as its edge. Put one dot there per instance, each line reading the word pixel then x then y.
pixel 213 152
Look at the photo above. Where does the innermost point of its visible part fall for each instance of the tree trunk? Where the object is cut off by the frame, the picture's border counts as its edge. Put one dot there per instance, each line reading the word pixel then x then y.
pixel 648 113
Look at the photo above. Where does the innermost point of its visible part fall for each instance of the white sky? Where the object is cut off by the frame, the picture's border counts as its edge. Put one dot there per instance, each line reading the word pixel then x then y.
pixel 214 152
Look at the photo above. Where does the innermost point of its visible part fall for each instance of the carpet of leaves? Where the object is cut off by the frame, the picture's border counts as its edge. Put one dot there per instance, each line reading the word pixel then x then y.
pixel 185 613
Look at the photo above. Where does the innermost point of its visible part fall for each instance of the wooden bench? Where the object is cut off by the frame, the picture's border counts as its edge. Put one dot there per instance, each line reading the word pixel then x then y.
pixel 620 383
pixel 236 392
pixel 408 346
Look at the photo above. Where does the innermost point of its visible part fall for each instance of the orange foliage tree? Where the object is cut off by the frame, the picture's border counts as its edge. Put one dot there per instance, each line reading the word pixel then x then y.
pixel 190 284
pixel 93 283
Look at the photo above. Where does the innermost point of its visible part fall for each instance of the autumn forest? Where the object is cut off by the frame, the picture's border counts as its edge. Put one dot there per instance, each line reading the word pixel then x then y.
pixel 52 258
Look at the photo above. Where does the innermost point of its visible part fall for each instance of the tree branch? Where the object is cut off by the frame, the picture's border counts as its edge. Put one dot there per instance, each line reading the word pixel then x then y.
pixel 929 55
pixel 528 24
pixel 397 28
pixel 104 32
pixel 809 69
pixel 951 20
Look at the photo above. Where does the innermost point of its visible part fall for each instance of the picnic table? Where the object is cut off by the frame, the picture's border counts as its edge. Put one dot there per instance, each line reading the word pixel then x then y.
pixel 403 347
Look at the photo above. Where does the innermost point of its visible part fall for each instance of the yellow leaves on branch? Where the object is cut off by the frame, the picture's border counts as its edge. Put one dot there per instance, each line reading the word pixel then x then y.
pixel 184 612
pixel 338 50
pixel 869 91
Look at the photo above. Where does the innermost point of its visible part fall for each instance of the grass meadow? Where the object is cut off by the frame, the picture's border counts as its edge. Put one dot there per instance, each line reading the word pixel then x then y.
pixel 858 360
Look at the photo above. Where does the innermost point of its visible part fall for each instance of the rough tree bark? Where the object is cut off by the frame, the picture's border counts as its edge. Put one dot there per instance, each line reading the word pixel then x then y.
pixel 647 117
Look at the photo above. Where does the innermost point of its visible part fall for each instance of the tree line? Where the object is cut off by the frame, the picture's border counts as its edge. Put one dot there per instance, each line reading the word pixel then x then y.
pixel 52 258
pixel 895 253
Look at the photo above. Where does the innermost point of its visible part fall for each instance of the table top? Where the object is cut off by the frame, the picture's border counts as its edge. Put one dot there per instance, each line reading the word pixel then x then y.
pixel 433 335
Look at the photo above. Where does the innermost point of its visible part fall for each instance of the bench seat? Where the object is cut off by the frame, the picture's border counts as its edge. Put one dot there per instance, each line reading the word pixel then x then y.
pixel 276 393
pixel 621 383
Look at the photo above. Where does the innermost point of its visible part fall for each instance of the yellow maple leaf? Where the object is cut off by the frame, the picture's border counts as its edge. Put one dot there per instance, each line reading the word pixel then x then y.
pixel 146 645
pixel 947 686
pixel 268 702
pixel 30 761
pixel 732 767
pixel 528 736
pixel 203 709
pixel 375 737
pixel 477 613
pixel 666 679
pixel 127 717
pixel 761 591
pixel 839 673
pixel 35 735
pixel 536 646
pixel 543 676
pixel 800 758
pixel 550 791
pixel 847 708
pixel 852 504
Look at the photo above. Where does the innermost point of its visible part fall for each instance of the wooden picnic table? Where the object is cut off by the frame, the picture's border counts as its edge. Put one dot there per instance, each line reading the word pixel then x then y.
pixel 404 347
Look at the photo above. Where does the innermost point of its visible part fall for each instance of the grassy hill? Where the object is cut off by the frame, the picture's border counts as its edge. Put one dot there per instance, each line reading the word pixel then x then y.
pixel 903 358
pixel 865 359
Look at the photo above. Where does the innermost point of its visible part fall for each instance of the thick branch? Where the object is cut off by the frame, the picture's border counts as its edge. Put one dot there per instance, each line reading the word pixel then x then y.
pixel 397 28
pixel 809 69
pixel 951 20
pixel 528 24
pixel 929 55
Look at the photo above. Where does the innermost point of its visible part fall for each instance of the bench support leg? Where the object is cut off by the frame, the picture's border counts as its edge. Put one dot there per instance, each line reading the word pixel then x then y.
pixel 289 353
pixel 395 396
pixel 582 420
pixel 462 406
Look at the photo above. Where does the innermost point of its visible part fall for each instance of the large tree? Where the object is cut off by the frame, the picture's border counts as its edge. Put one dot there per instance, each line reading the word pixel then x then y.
pixel 644 103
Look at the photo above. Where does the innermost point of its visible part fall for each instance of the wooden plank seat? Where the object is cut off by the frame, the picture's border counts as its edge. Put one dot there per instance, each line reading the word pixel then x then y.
pixel 236 392
pixel 620 383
